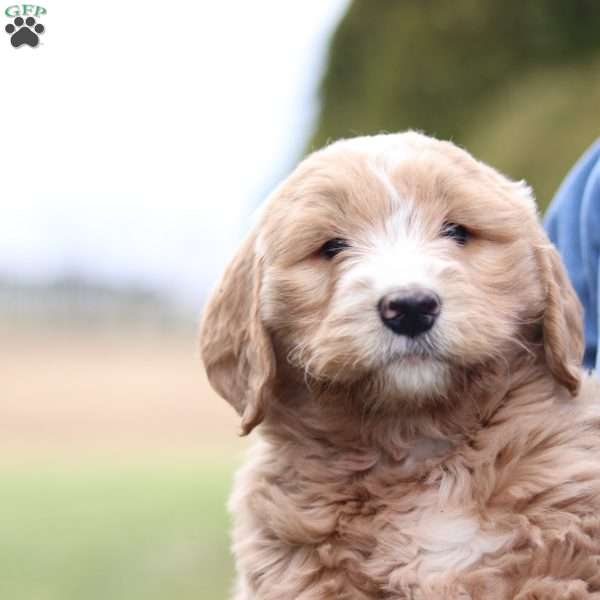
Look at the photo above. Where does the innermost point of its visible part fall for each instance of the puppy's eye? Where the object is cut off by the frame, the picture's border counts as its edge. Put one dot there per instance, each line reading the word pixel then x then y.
pixel 457 232
pixel 332 247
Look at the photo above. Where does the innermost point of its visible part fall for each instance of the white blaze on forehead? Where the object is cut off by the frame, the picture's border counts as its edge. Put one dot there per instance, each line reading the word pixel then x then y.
pixel 383 153
pixel 380 170
pixel 396 256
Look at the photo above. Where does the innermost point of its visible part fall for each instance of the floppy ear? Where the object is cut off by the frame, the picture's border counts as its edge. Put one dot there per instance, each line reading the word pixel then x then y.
pixel 562 320
pixel 236 349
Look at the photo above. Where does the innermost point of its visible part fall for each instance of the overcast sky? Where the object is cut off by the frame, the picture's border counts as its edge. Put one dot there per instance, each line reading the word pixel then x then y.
pixel 138 135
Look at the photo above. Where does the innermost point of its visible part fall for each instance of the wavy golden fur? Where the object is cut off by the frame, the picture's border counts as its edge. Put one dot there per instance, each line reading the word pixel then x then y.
pixel 464 463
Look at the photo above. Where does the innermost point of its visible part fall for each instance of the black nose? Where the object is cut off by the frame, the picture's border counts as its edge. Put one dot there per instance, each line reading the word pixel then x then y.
pixel 410 312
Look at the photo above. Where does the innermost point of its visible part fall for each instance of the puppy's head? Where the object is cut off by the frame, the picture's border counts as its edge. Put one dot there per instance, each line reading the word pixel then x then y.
pixel 396 261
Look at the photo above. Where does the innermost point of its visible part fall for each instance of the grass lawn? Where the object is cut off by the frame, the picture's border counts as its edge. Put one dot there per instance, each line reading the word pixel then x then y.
pixel 102 531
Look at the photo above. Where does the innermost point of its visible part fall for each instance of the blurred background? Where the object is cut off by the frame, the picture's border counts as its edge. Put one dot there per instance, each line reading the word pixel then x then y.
pixel 137 140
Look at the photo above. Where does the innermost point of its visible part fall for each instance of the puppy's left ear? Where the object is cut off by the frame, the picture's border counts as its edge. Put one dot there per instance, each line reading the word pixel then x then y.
pixel 562 319
pixel 236 348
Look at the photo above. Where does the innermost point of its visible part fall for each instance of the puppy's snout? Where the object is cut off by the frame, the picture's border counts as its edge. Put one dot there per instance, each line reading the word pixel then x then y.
pixel 410 312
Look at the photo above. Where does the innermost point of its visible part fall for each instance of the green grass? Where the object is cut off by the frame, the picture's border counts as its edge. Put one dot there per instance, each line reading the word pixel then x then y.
pixel 114 532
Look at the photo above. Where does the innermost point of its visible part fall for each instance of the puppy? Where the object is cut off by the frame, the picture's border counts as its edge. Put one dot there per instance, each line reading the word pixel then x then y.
pixel 405 337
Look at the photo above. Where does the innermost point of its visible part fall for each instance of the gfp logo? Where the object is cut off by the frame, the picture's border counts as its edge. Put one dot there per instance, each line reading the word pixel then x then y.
pixel 25 29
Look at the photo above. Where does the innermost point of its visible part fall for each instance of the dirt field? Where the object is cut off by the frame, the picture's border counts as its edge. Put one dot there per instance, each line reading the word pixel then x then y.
pixel 116 460
pixel 105 392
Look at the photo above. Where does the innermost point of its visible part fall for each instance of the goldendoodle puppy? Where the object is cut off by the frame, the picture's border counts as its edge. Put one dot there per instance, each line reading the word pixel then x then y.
pixel 406 339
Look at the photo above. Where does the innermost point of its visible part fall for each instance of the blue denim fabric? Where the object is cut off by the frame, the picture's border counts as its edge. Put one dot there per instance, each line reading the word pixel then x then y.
pixel 573 224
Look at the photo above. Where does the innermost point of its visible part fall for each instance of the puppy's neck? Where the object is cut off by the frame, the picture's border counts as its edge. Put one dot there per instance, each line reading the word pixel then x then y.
pixel 347 420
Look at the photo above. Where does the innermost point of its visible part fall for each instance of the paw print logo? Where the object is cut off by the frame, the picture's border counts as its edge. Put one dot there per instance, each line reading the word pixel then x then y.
pixel 24 32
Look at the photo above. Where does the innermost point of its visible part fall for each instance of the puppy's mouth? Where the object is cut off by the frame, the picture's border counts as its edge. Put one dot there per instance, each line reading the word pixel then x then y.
pixel 415 353
pixel 413 358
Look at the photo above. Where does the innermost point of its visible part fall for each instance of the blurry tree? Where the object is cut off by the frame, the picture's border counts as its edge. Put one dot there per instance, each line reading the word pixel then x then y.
pixel 517 83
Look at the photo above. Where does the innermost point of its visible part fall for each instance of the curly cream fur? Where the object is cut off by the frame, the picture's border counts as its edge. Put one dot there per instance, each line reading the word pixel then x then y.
pixel 462 465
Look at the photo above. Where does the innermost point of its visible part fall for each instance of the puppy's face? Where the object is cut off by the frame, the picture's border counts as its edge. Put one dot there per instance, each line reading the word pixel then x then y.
pixel 397 260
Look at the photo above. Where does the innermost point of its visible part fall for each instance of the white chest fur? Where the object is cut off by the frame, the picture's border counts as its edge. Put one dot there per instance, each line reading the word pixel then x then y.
pixel 452 541
pixel 384 531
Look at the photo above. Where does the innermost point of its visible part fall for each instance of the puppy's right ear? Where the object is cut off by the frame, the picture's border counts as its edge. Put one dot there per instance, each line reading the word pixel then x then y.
pixel 236 348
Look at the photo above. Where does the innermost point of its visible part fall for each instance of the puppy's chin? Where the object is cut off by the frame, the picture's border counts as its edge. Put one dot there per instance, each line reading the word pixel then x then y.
pixel 411 375
pixel 418 377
